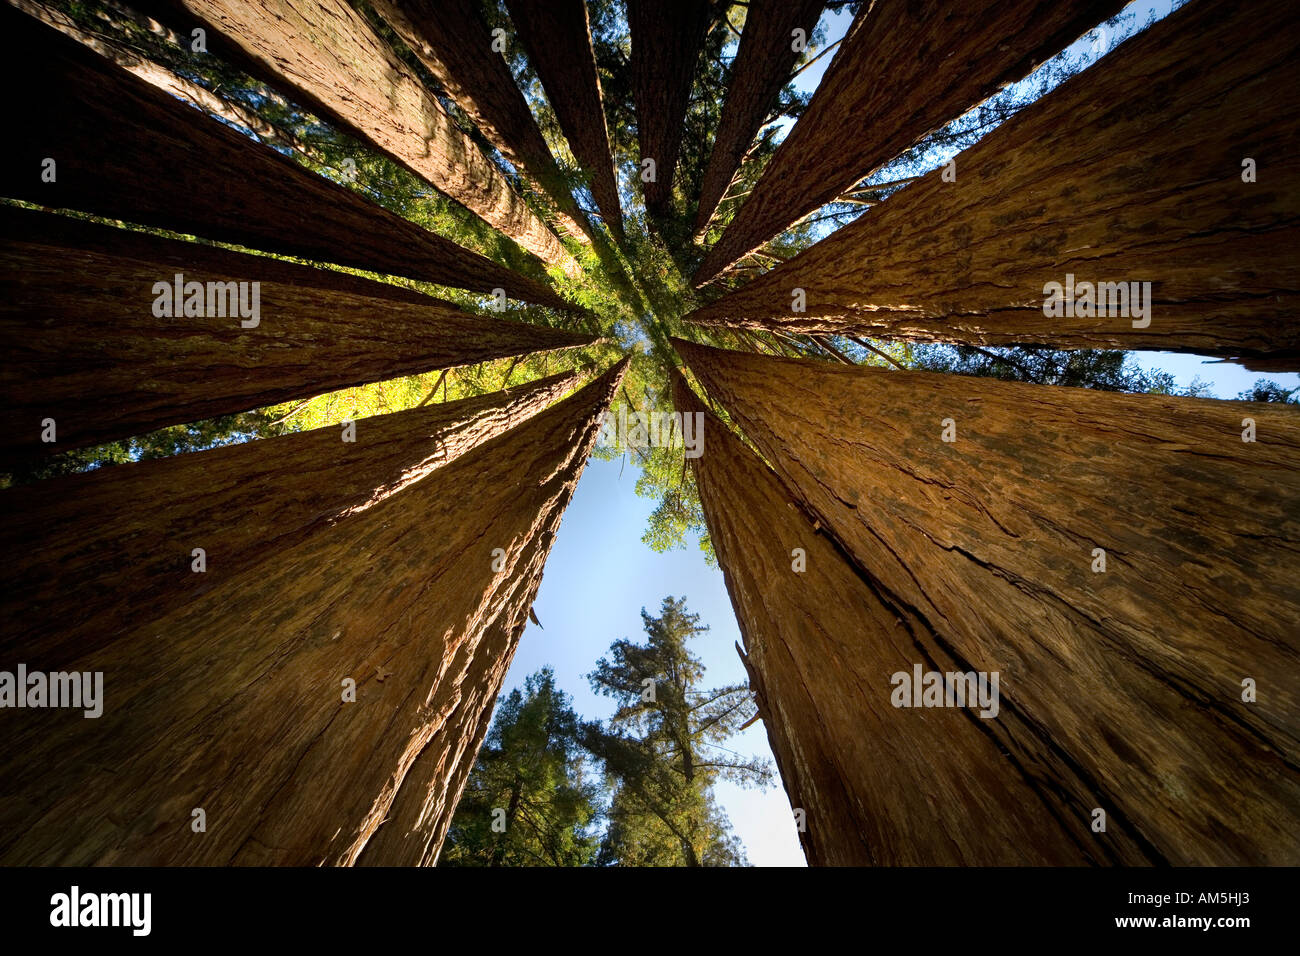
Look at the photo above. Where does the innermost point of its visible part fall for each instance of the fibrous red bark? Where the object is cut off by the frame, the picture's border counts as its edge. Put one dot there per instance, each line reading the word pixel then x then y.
pixel 329 57
pixel 453 42
pixel 877 785
pixel 123 536
pixel 233 703
pixel 557 37
pixel 1129 173
pixel 762 67
pixel 1136 668
pixel 86 345
pixel 124 149
pixel 666 39
pixel 904 69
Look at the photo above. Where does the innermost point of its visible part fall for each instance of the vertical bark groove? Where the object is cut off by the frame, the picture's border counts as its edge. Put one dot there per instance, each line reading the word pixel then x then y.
pixel 452 40
pixel 879 785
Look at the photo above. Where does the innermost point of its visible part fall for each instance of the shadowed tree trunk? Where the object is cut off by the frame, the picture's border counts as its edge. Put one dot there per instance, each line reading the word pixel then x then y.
pixel 1130 172
pixel 1134 666
pixel 124 535
pixel 421 813
pixel 235 704
pixel 762 67
pixel 160 76
pixel 878 785
pixel 452 40
pixel 666 39
pixel 327 55
pixel 172 167
pixel 905 68
pixel 86 346
pixel 557 37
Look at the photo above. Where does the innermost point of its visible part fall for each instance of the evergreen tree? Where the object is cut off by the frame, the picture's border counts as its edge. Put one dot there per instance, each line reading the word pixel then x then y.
pixel 662 750
pixel 527 802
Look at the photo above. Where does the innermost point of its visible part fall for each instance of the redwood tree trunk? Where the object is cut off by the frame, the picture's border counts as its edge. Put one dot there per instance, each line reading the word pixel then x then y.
pixel 327 55
pixel 557 36
pixel 761 68
pixel 1136 671
pixel 233 703
pixel 84 344
pixel 905 68
pixel 452 40
pixel 125 534
pixel 666 39
pixel 1129 172
pixel 878 785
pixel 127 150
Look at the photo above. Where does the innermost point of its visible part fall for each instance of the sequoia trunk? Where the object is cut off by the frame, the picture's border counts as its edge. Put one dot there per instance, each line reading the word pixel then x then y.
pixel 1112 556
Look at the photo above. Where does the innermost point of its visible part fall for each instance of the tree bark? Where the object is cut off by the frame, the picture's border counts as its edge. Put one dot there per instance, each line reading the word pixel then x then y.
pixel 331 59
pixel 126 150
pixel 1135 671
pixel 452 40
pixel 232 703
pixel 905 68
pixel 557 36
pixel 878 785
pixel 1129 172
pixel 160 76
pixel 85 347
pixel 762 67
pixel 666 39
pixel 124 534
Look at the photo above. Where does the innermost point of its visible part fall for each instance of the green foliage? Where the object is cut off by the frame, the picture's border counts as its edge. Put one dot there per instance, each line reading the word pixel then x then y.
pixel 530 769
pixel 662 750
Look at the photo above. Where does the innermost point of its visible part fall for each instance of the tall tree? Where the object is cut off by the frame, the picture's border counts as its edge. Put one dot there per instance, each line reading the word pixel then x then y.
pixel 666 40
pixel 131 562
pixel 1019 522
pixel 1202 264
pixel 768 49
pixel 326 54
pixel 869 783
pixel 452 40
pixel 174 168
pixel 662 748
pixel 904 69
pixel 233 702
pixel 176 332
pixel 527 802
pixel 557 36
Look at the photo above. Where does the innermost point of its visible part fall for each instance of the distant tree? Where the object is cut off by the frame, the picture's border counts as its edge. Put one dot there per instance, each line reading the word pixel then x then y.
pixel 662 749
pixel 527 802
pixel 1266 390
pixel 1105 369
